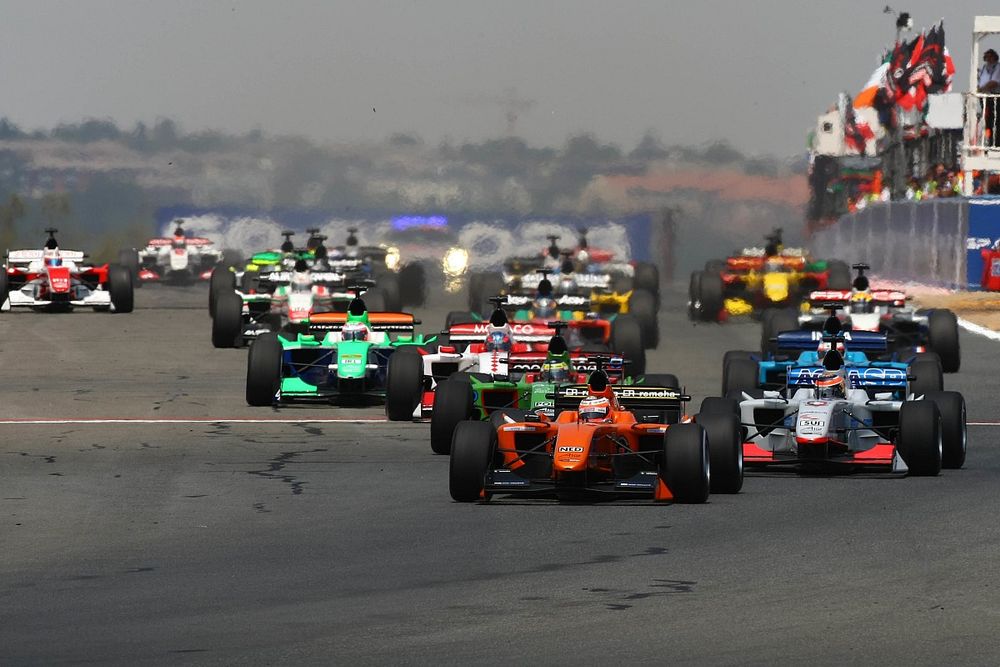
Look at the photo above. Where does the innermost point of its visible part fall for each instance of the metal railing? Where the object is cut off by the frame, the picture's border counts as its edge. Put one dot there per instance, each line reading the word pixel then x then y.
pixel 981 124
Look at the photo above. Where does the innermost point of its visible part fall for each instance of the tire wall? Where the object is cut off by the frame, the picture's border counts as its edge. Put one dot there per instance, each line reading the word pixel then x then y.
pixel 923 241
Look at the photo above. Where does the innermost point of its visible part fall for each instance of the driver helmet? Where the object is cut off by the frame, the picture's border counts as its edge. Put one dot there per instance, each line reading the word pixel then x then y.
pixel 354 331
pixel 301 281
pixel 595 409
pixel 566 285
pixel 774 265
pixel 862 302
pixel 52 257
pixel 555 370
pixel 499 339
pixel 831 385
pixel 544 307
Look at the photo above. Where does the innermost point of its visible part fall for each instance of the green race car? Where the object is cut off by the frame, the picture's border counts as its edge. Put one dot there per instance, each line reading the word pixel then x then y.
pixel 334 357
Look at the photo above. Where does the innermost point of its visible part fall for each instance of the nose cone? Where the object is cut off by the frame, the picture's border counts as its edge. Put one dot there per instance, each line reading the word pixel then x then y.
pixel 572 447
pixel 776 286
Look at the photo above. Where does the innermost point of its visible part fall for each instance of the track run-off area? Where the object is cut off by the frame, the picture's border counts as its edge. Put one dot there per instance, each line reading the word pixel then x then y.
pixel 149 516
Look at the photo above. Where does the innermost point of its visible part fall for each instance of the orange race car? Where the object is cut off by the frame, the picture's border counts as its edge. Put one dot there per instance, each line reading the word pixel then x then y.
pixel 605 439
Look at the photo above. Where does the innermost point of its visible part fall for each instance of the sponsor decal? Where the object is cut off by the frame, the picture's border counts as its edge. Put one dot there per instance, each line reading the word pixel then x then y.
pixel 574 450
pixel 351 359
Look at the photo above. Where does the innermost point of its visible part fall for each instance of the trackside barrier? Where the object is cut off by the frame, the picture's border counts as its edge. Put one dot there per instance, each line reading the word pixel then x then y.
pixel 927 241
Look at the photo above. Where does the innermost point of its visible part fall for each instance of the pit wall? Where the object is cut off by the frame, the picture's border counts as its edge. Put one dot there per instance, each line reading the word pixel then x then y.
pixel 934 242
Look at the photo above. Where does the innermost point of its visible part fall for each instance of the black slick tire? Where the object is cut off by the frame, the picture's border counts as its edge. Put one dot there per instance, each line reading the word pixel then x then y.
pixel 740 375
pixel 404 384
pixel 452 405
pixel 927 374
pixel 413 284
pixel 685 466
pixel 838 276
pixel 472 449
pixel 954 434
pixel 263 370
pixel 942 337
pixel 642 306
pixel 626 339
pixel 120 287
pixel 919 438
pixel 711 296
pixel 725 450
pixel 228 319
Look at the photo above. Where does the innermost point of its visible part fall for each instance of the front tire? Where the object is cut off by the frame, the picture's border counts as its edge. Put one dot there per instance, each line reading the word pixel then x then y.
pixel 928 376
pixel 954 433
pixel 120 287
pixel 264 370
pixel 228 319
pixel 642 306
pixel 919 439
pixel 472 448
pixel 404 384
pixel 725 450
pixel 684 465
pixel 452 405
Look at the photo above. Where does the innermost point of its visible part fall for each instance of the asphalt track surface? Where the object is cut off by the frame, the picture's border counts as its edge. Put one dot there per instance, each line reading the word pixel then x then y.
pixel 201 542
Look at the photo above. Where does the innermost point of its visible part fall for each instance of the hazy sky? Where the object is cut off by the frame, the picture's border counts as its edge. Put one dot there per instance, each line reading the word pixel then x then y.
pixel 755 73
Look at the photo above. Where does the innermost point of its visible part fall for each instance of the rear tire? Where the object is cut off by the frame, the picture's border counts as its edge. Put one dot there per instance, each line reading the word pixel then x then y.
pixel 129 258
pixel 725 450
pixel 626 339
pixel 120 286
pixel 942 335
pixel 718 405
pixel 660 380
pixel 838 275
pixel 740 375
pixel 375 300
pixel 684 466
pixel 919 439
pixel 928 374
pixel 389 285
pixel 694 296
pixel 458 317
pixel 452 404
pixel 954 434
pixel 472 450
pixel 642 306
pixel 228 319
pixel 413 285
pixel 404 384
pixel 774 324
pixel 264 370
pixel 647 277
pixel 711 296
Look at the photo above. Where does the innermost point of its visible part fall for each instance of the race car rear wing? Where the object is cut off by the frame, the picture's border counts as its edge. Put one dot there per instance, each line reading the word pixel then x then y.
pixel 28 256
pixel 831 298
pixel 582 362
pixel 630 397
pixel 858 378
pixel 318 277
pixel 863 341
pixel 388 322
pixel 564 302
pixel 192 241
pixel 475 332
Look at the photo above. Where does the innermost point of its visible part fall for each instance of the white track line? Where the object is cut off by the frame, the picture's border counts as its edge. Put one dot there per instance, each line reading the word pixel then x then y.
pixel 978 329
pixel 182 420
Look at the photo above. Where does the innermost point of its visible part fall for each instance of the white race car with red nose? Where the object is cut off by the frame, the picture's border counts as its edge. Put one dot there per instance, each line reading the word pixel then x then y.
pixel 863 308
pixel 55 279
pixel 178 259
